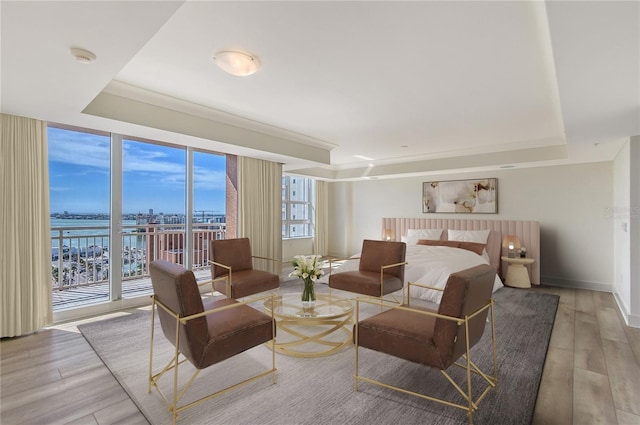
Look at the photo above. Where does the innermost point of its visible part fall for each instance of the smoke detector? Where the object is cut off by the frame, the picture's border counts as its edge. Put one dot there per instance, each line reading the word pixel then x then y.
pixel 82 55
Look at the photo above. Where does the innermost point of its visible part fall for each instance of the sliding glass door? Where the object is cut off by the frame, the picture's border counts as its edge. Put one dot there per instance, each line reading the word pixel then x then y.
pixel 153 210
pixel 79 190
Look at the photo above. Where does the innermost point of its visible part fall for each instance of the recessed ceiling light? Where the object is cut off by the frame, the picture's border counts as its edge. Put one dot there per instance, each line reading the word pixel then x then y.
pixel 82 55
pixel 236 62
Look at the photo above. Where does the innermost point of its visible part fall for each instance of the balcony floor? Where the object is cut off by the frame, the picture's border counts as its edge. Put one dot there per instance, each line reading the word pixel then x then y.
pixel 82 296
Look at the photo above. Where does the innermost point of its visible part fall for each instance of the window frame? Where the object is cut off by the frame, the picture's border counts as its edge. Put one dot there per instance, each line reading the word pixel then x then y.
pixel 287 221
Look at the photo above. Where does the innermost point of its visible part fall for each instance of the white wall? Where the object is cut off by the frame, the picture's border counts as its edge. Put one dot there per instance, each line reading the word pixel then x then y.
pixel 296 246
pixel 570 202
pixel 626 231
pixel 634 230
pixel 621 234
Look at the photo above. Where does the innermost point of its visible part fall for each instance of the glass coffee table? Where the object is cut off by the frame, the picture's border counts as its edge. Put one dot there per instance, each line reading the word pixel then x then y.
pixel 311 332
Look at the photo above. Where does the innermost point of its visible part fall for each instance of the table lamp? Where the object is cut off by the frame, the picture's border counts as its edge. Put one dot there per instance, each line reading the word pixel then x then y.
pixel 512 243
pixel 388 235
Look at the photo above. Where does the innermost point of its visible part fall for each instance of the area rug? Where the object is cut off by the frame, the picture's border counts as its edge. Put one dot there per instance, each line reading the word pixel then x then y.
pixel 321 390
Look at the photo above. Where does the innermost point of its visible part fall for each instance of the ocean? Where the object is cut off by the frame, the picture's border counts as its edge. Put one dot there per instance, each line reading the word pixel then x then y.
pixel 87 238
pixel 84 233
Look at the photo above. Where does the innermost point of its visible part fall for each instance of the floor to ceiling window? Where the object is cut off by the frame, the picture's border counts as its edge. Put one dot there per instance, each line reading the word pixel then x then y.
pixel 79 191
pixel 153 200
pixel 209 204
pixel 119 203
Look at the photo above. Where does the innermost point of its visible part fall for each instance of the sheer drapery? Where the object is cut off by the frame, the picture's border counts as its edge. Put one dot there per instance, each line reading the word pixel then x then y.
pixel 25 245
pixel 321 230
pixel 260 208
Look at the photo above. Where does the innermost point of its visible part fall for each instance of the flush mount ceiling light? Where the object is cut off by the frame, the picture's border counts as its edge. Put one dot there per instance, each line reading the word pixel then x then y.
pixel 82 55
pixel 236 62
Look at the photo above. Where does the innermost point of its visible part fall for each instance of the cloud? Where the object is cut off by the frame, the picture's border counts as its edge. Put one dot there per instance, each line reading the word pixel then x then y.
pixel 207 179
pixel 76 148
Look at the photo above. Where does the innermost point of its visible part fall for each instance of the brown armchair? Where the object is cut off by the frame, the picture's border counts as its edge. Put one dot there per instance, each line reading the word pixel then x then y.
pixel 436 339
pixel 204 334
pixel 381 270
pixel 232 269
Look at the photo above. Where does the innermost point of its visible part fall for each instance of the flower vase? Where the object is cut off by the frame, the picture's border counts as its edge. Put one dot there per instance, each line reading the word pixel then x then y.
pixel 308 294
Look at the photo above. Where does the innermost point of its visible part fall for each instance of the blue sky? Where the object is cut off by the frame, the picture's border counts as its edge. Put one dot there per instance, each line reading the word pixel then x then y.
pixel 153 176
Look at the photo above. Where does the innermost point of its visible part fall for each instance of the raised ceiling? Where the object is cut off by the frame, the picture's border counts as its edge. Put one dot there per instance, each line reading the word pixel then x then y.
pixel 417 87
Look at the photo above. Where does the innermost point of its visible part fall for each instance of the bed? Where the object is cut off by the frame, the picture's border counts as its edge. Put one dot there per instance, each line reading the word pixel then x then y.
pixel 438 247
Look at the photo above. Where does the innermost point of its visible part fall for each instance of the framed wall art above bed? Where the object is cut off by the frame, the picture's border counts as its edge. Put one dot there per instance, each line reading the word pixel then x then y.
pixel 461 196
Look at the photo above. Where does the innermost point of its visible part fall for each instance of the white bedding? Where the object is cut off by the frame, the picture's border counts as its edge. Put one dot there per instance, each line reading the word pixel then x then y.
pixel 430 265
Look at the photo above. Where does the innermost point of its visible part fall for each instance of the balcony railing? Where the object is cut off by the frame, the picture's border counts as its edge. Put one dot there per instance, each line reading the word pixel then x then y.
pixel 81 255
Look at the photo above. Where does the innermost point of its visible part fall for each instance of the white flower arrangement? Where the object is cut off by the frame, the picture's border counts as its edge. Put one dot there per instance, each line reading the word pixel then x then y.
pixel 307 267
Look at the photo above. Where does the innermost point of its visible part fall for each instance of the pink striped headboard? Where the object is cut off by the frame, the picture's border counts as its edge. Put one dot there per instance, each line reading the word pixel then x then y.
pixel 527 231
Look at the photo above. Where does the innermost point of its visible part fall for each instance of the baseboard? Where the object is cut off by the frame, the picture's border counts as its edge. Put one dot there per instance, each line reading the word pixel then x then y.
pixel 632 320
pixel 100 309
pixel 576 284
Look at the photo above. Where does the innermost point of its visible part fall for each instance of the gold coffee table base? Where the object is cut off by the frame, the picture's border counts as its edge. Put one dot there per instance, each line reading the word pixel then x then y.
pixel 311 328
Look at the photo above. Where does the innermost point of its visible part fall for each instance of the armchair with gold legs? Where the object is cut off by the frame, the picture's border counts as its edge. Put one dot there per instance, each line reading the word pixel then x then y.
pixel 437 339
pixel 380 272
pixel 232 269
pixel 202 333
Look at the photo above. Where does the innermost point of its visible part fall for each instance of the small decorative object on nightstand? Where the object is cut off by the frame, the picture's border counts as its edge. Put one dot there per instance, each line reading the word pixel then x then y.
pixel 517 274
pixel 523 252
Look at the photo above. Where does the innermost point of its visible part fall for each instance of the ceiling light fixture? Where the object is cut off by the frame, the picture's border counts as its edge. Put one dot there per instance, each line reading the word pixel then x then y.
pixel 236 62
pixel 82 55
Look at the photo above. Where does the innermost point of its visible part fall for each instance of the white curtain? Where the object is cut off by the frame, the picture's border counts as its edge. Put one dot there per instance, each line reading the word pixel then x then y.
pixel 260 208
pixel 25 241
pixel 321 231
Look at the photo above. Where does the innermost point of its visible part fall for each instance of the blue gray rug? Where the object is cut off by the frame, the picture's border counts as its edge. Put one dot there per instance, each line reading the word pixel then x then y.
pixel 320 390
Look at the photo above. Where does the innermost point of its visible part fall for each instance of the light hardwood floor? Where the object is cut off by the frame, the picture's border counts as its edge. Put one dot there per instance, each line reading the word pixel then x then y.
pixel 591 374
pixel 592 371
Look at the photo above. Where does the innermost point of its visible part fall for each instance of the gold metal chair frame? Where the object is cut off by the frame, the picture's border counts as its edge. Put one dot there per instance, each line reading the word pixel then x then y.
pixel 470 367
pixel 382 268
pixel 228 278
pixel 174 363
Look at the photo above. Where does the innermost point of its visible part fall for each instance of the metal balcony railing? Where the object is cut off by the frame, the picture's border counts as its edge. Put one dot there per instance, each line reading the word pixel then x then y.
pixel 81 256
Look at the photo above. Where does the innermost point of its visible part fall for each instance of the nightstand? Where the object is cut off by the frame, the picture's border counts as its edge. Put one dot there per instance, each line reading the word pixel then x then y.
pixel 517 274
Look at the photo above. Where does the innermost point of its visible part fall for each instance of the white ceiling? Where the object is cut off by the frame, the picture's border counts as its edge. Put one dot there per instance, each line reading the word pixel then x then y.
pixel 418 87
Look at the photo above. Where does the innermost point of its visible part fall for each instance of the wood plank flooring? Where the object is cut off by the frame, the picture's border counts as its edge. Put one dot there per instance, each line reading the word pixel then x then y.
pixel 592 370
pixel 591 374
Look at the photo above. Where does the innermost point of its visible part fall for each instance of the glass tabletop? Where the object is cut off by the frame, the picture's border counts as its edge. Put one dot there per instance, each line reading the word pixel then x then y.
pixel 327 306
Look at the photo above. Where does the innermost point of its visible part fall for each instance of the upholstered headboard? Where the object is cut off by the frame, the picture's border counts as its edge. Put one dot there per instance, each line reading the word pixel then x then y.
pixel 527 231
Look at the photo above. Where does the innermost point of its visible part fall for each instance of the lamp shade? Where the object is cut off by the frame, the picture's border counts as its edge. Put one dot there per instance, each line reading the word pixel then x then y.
pixel 512 243
pixel 236 62
pixel 511 240
pixel 388 235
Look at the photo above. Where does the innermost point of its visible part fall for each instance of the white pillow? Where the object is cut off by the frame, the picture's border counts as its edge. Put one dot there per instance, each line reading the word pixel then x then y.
pixel 414 235
pixel 478 236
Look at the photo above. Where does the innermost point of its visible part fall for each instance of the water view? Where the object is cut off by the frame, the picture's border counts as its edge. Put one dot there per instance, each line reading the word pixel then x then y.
pixel 80 251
